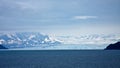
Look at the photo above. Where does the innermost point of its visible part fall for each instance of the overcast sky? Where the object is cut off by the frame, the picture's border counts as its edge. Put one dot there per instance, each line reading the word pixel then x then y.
pixel 60 16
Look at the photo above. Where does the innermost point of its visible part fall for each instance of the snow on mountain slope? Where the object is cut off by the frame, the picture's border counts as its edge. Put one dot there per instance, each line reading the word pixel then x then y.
pixel 25 39
pixel 28 39
pixel 89 39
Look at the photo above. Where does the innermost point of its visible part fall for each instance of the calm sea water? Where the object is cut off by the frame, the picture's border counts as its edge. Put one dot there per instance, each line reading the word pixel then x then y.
pixel 60 59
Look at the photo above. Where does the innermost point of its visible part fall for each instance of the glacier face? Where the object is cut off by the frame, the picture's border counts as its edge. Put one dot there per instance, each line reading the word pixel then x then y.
pixel 25 39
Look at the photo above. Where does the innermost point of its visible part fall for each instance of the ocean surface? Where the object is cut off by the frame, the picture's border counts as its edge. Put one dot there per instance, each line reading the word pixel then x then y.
pixel 59 59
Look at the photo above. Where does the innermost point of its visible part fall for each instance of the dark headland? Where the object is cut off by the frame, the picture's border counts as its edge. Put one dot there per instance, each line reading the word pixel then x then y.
pixel 115 46
pixel 2 47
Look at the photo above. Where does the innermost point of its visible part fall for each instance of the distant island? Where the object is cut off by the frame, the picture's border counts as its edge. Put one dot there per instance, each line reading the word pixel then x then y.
pixel 115 46
pixel 2 47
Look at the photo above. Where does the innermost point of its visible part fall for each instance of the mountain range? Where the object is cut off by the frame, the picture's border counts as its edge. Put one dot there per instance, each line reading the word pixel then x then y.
pixel 26 39
pixel 89 39
pixel 36 39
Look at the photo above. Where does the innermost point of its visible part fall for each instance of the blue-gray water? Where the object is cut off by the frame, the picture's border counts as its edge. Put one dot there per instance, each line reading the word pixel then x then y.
pixel 60 59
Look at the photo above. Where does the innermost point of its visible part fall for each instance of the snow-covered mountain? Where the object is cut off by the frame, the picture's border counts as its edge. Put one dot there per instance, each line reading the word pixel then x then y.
pixel 89 39
pixel 25 39
pixel 34 39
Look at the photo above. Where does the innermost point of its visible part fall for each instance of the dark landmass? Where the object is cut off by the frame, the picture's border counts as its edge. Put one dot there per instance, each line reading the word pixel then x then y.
pixel 115 46
pixel 2 47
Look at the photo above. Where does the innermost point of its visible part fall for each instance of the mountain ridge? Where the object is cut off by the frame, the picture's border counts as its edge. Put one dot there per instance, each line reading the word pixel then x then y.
pixel 25 39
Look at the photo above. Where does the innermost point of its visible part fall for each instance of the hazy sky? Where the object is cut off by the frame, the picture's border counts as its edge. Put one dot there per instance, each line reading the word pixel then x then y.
pixel 60 16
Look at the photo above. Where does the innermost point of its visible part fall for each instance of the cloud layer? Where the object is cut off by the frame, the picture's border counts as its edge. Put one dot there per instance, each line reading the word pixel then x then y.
pixel 85 17
pixel 60 16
